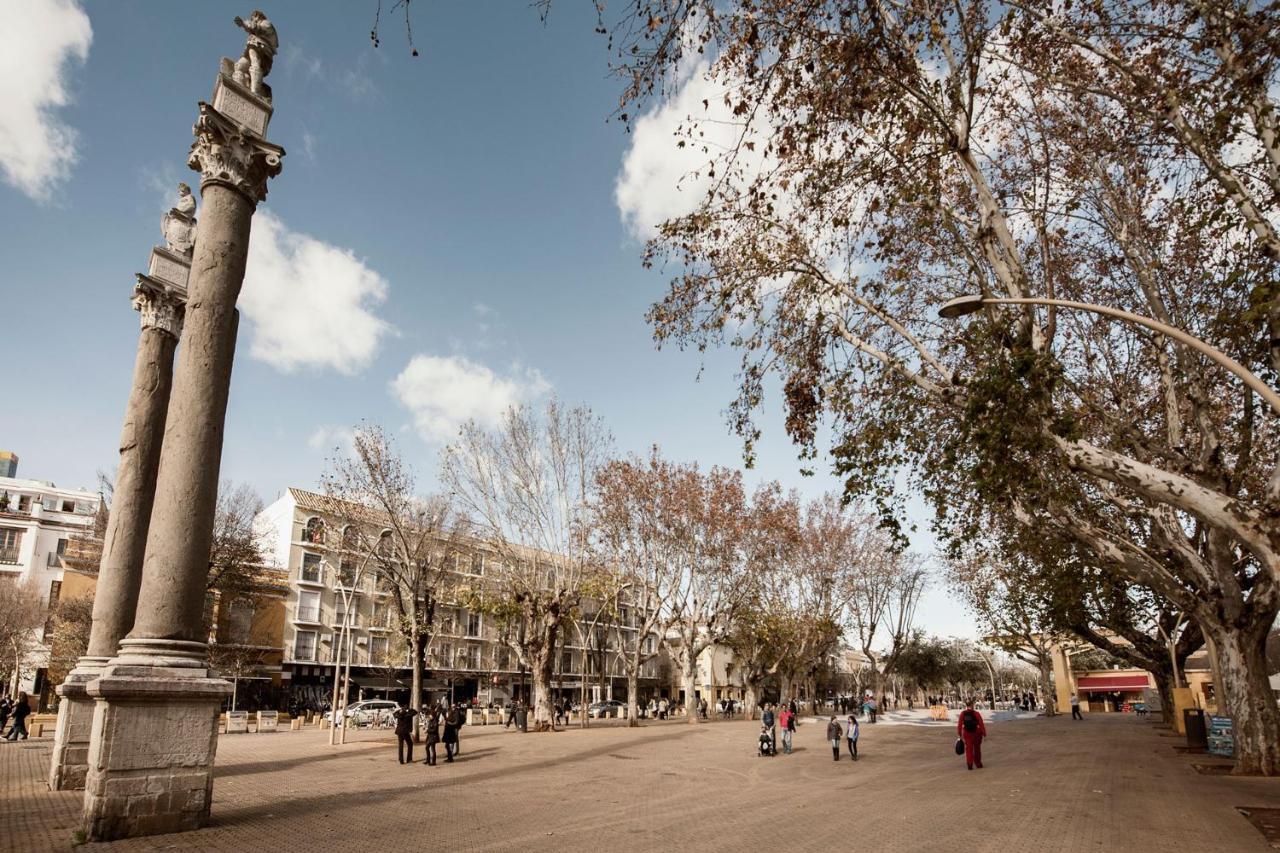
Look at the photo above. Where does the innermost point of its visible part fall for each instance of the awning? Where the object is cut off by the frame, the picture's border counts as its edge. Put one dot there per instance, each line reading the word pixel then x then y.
pixel 1112 682
pixel 371 682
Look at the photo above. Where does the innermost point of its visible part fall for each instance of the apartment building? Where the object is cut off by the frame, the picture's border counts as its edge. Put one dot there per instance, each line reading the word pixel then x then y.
pixel 39 524
pixel 468 658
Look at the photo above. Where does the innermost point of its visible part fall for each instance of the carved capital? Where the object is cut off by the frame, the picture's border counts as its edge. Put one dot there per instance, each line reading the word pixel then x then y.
pixel 226 153
pixel 159 310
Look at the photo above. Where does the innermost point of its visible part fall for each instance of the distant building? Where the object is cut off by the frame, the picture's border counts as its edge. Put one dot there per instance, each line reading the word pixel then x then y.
pixel 8 464
pixel 39 525
pixel 467 660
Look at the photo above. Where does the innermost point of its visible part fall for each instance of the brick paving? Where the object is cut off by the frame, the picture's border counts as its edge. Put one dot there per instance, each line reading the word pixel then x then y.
pixel 1109 783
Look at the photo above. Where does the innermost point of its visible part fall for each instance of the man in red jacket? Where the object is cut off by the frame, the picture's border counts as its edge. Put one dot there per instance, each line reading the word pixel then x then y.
pixel 971 730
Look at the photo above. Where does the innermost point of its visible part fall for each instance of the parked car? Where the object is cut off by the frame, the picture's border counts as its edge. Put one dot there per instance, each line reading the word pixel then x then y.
pixel 607 708
pixel 367 712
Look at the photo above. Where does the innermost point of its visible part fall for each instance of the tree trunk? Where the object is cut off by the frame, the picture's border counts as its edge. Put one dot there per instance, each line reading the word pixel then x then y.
pixel 633 696
pixel 334 717
pixel 1164 686
pixel 1255 719
pixel 690 677
pixel 784 688
pixel 750 699
pixel 542 669
pixel 1047 696
pixel 415 680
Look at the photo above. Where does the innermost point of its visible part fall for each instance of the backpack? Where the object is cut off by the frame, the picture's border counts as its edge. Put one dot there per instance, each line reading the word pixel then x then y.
pixel 970 721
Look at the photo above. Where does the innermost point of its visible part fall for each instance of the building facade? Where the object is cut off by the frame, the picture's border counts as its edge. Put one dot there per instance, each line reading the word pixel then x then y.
pixel 40 524
pixel 468 658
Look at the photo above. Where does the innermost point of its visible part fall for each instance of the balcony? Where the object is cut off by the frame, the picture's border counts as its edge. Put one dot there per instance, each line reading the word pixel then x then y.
pixel 355 620
pixel 9 556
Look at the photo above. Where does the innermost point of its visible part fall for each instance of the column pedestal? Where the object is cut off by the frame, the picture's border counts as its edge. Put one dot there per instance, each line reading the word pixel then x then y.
pixel 75 722
pixel 154 739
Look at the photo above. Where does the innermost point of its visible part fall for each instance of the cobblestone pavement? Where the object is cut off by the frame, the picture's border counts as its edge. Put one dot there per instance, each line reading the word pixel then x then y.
pixel 1109 783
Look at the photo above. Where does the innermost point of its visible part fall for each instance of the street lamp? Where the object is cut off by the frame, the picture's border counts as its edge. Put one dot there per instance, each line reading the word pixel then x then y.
pixel 961 306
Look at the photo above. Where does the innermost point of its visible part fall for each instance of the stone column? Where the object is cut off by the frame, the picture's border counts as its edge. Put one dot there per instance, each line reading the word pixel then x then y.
pixel 120 570
pixel 155 724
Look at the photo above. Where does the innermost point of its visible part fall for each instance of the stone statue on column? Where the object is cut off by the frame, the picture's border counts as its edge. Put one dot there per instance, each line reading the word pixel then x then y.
pixel 179 223
pixel 259 50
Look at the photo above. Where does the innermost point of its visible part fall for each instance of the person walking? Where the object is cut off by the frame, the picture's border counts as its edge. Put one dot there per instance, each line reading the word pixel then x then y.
pixel 21 710
pixel 786 721
pixel 404 733
pixel 971 729
pixel 433 736
pixel 6 708
pixel 833 737
pixel 767 718
pixel 451 724
pixel 1075 708
pixel 851 737
pixel 462 721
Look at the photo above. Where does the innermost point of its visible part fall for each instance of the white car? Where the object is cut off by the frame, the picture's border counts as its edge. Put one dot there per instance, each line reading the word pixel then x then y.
pixel 608 708
pixel 369 711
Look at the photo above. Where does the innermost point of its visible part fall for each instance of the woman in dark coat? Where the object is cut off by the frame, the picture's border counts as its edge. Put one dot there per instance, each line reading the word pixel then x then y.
pixel 21 710
pixel 451 724
pixel 433 736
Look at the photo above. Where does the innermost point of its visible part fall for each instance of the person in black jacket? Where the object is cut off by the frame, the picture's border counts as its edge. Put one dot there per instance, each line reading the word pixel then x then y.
pixel 433 736
pixel 451 724
pixel 404 733
pixel 21 710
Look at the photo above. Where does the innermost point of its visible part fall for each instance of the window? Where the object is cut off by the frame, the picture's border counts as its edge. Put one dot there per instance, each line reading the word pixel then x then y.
pixel 304 645
pixel 504 658
pixel 24 503
pixel 566 662
pixel 477 564
pixel 311 568
pixel 10 542
pixel 473 624
pixel 381 615
pixel 68 506
pixel 347 572
pixel 49 502
pixel 313 532
pixel 445 654
pixel 446 622
pixel 378 651
pixel 473 657
pixel 308 606
pixel 240 621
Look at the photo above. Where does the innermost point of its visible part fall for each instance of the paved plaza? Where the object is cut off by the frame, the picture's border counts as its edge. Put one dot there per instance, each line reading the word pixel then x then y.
pixel 1109 783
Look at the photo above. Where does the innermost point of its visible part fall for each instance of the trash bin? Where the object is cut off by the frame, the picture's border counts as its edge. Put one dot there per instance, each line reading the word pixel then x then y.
pixel 1194 724
pixel 522 721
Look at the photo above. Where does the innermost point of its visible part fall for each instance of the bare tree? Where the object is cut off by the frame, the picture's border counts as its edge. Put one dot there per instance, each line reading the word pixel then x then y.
pixel 703 514
pixel 72 620
pixel 634 545
pixel 530 484
pixel 410 540
pixel 22 612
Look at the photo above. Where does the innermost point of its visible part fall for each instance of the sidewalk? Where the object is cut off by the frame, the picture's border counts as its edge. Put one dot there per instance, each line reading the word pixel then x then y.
pixel 1050 785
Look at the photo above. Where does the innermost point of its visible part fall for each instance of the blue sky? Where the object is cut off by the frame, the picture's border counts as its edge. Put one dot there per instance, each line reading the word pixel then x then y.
pixel 446 236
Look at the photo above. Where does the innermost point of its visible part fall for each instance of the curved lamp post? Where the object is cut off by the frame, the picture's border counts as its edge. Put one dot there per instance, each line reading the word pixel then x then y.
pixel 971 303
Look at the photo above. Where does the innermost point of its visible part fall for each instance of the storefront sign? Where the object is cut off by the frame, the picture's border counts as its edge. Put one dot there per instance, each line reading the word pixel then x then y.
pixel 1221 738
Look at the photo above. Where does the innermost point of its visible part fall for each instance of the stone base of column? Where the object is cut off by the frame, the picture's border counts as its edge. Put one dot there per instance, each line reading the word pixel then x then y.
pixel 75 722
pixel 154 739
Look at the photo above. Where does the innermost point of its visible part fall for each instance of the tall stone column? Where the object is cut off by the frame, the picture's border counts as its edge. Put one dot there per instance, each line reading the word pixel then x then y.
pixel 120 571
pixel 155 723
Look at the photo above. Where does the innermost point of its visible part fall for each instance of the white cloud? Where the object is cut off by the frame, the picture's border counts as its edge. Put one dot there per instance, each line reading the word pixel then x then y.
pixel 444 393
pixel 310 303
pixel 309 145
pixel 327 438
pixel 38 41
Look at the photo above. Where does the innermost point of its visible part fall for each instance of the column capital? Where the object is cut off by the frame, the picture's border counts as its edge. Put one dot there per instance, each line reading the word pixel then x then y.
pixel 226 152
pixel 159 309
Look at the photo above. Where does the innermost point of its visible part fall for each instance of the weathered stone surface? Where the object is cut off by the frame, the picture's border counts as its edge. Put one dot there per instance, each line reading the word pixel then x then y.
pixel 169 267
pixel 70 761
pixel 240 105
pixel 120 573
pixel 154 740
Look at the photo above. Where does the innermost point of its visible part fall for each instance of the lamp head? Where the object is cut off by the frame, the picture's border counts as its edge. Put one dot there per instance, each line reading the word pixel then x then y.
pixel 961 306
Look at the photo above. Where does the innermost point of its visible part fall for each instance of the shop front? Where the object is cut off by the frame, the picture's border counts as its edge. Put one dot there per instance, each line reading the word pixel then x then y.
pixel 1112 691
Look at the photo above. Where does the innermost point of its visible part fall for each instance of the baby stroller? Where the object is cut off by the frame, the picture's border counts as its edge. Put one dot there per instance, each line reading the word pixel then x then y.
pixel 766 746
